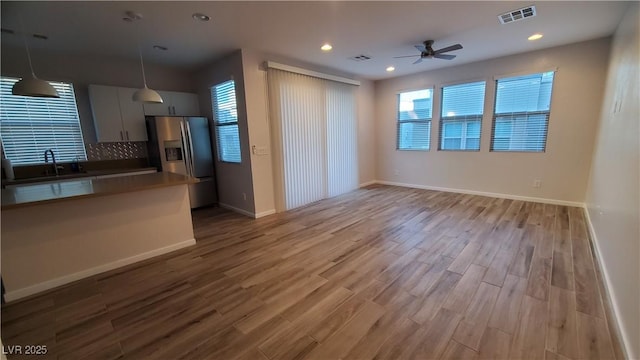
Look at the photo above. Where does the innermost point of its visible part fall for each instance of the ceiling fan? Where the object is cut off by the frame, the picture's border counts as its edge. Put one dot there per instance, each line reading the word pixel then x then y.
pixel 427 52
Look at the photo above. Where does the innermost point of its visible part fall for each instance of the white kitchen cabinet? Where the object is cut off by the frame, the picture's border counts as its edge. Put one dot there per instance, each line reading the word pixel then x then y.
pixel 116 116
pixel 174 103
pixel 133 123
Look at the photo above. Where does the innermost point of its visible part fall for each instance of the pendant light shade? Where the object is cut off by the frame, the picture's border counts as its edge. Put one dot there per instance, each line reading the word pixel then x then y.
pixel 144 95
pixel 32 86
pixel 147 96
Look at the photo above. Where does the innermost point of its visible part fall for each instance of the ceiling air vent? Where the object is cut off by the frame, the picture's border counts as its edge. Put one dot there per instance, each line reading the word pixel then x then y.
pixel 515 15
pixel 360 58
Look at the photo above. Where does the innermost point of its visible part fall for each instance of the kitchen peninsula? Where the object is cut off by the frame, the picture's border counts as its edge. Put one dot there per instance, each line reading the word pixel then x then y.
pixel 56 233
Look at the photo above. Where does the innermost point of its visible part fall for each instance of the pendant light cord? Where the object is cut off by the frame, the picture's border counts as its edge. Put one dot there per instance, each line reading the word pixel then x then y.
pixel 26 46
pixel 144 78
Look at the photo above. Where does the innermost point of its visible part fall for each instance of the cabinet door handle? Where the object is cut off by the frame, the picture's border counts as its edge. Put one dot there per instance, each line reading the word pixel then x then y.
pixel 121 136
pixel 127 134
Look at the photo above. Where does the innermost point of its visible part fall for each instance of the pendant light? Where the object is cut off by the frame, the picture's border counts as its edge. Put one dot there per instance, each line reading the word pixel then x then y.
pixel 144 95
pixel 31 85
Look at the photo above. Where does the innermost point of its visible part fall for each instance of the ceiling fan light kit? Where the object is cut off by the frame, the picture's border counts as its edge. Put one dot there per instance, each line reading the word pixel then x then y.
pixel 427 52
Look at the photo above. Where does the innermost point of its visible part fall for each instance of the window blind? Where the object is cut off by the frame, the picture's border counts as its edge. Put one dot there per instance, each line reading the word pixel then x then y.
pixel 225 111
pixel 314 131
pixel 521 115
pixel 414 119
pixel 29 125
pixel 461 116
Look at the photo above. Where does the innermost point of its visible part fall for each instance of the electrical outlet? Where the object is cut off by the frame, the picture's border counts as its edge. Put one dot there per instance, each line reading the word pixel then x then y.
pixel 396 172
pixel 244 196
pixel 537 183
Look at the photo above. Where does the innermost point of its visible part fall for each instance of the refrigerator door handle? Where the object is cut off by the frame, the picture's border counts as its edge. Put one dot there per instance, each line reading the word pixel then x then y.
pixel 185 148
pixel 190 143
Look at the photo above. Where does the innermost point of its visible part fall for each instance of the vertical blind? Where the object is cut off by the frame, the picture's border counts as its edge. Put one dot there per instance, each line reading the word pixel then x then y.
pixel 461 116
pixel 414 119
pixel 342 135
pixel 29 125
pixel 314 138
pixel 225 111
pixel 521 115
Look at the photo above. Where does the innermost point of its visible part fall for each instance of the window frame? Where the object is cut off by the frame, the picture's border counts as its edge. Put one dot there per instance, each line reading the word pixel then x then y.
pixel 72 122
pixel 521 113
pixel 427 121
pixel 217 124
pixel 464 119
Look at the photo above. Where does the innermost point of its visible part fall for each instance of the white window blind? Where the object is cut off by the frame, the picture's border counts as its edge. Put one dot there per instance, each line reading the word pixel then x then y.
pixel 29 125
pixel 225 111
pixel 461 116
pixel 314 129
pixel 521 115
pixel 414 119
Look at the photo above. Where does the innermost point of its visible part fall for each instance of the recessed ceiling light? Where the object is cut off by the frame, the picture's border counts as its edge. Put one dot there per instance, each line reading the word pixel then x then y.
pixel 535 37
pixel 160 47
pixel 200 17
pixel 326 47
pixel 390 68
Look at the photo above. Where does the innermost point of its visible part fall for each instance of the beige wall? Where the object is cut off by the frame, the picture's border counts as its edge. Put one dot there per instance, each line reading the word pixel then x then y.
pixel 366 132
pixel 235 187
pixel 255 79
pixel 563 168
pixel 613 195
pixel 82 70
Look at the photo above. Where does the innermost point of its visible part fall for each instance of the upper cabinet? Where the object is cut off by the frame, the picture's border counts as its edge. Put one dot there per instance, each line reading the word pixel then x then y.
pixel 116 116
pixel 174 103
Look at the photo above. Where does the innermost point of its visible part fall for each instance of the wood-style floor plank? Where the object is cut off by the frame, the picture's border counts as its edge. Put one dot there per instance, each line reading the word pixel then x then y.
pixel 561 330
pixel 379 273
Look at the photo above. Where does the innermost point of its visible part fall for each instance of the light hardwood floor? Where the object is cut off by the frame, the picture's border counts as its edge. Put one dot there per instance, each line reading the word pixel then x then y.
pixel 380 273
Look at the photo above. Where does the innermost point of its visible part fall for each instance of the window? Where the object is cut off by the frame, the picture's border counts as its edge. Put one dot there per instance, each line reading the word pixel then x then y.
pixel 461 116
pixel 225 111
pixel 414 119
pixel 29 125
pixel 521 115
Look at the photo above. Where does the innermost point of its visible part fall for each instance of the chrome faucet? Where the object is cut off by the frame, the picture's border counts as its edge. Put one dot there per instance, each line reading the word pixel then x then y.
pixel 53 159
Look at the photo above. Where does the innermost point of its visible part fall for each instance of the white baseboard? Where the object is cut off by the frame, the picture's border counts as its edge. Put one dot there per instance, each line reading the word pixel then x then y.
pixel 610 292
pixel 238 210
pixel 484 193
pixel 367 183
pixel 264 213
pixel 247 213
pixel 53 283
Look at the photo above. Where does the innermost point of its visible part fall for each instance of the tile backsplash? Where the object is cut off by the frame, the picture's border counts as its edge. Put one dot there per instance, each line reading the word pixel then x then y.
pixel 116 150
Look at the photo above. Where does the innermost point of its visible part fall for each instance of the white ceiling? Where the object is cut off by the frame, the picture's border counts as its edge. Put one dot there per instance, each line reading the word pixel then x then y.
pixel 380 29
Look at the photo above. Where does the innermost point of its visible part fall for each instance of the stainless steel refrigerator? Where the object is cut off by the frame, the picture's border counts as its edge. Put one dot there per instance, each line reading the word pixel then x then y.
pixel 182 145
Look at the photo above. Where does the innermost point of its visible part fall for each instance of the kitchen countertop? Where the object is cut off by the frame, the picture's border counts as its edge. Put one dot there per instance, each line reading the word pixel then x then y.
pixel 36 194
pixel 78 175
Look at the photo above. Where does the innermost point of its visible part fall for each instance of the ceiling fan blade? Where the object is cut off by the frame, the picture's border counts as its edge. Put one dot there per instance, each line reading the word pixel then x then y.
pixel 420 48
pixel 444 56
pixel 449 48
pixel 406 56
pixel 418 61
